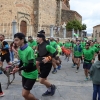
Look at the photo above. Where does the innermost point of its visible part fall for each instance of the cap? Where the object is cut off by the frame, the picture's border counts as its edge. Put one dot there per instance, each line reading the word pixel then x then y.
pixel 41 35
pixel 42 31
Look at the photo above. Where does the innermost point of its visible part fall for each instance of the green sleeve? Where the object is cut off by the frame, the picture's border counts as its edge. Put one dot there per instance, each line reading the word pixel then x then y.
pixel 50 49
pixel 35 43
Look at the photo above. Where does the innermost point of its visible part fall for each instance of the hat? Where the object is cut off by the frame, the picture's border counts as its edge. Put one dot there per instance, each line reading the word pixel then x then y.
pixel 41 35
pixel 42 31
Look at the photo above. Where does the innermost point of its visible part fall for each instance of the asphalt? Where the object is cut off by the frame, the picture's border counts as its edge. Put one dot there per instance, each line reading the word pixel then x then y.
pixel 70 85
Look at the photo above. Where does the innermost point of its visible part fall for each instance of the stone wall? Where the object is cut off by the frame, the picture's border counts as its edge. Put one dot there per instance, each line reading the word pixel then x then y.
pixel 47 15
pixel 68 15
pixel 15 10
pixel 96 32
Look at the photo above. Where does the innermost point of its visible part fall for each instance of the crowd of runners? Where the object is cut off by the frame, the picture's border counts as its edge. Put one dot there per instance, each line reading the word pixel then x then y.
pixel 37 57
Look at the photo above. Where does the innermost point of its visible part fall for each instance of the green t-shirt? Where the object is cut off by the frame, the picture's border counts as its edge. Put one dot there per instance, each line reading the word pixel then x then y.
pixel 94 49
pixel 88 54
pixel 83 44
pixel 32 44
pixel 68 45
pixel 60 44
pixel 26 55
pixel 53 44
pixel 78 50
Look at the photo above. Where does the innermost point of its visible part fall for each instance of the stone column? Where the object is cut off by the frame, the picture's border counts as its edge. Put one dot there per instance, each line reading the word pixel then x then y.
pixel 64 32
pixel 51 31
pixel 14 27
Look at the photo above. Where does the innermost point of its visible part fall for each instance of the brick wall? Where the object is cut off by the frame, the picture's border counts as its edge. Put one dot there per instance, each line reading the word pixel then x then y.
pixel 15 10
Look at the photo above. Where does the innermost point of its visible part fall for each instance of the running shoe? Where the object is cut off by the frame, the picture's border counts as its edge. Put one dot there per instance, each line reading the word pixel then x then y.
pixel 53 89
pixel 54 71
pixel 47 93
pixel 59 67
pixel 2 94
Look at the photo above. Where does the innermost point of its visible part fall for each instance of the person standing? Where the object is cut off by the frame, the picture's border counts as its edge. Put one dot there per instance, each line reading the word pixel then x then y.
pixel 27 65
pixel 45 54
pixel 95 75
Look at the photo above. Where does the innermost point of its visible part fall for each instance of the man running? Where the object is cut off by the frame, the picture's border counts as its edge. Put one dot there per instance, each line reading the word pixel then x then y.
pixel 88 56
pixel 45 54
pixel 27 65
pixel 77 52
pixel 5 54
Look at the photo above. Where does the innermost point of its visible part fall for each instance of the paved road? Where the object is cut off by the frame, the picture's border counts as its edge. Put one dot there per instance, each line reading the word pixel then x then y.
pixel 70 85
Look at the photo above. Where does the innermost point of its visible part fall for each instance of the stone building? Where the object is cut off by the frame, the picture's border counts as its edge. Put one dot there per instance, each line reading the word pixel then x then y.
pixel 96 32
pixel 33 15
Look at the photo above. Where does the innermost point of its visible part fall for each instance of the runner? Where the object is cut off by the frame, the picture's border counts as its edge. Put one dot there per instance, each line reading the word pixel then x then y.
pixel 54 45
pixel 1 92
pixel 58 60
pixel 27 64
pixel 68 47
pixel 77 52
pixel 88 56
pixel 32 43
pixel 5 55
pixel 73 45
pixel 45 54
pixel 94 48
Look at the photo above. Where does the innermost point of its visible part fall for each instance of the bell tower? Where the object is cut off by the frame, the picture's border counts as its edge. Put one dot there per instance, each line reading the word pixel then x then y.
pixel 66 2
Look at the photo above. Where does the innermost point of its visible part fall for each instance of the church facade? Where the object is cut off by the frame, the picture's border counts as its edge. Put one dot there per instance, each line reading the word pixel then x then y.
pixel 33 15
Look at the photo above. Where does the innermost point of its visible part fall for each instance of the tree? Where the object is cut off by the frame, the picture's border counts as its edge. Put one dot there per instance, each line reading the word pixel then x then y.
pixel 76 25
pixel 84 27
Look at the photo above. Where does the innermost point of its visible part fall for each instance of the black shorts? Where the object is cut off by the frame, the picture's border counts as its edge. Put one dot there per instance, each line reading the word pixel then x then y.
pixel 87 65
pixel 5 57
pixel 28 83
pixel 45 69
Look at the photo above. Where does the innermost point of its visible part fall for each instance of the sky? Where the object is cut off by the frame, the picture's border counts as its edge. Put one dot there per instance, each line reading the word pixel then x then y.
pixel 89 10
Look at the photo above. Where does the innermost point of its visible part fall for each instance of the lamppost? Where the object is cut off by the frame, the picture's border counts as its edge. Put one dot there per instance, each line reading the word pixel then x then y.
pixel 14 27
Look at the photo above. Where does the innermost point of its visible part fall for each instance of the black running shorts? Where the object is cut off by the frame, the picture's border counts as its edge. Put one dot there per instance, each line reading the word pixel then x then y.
pixel 28 83
pixel 5 57
pixel 45 69
pixel 87 65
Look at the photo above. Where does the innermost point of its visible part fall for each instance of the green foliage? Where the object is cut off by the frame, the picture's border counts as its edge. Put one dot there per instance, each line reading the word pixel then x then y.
pixel 84 27
pixel 76 25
